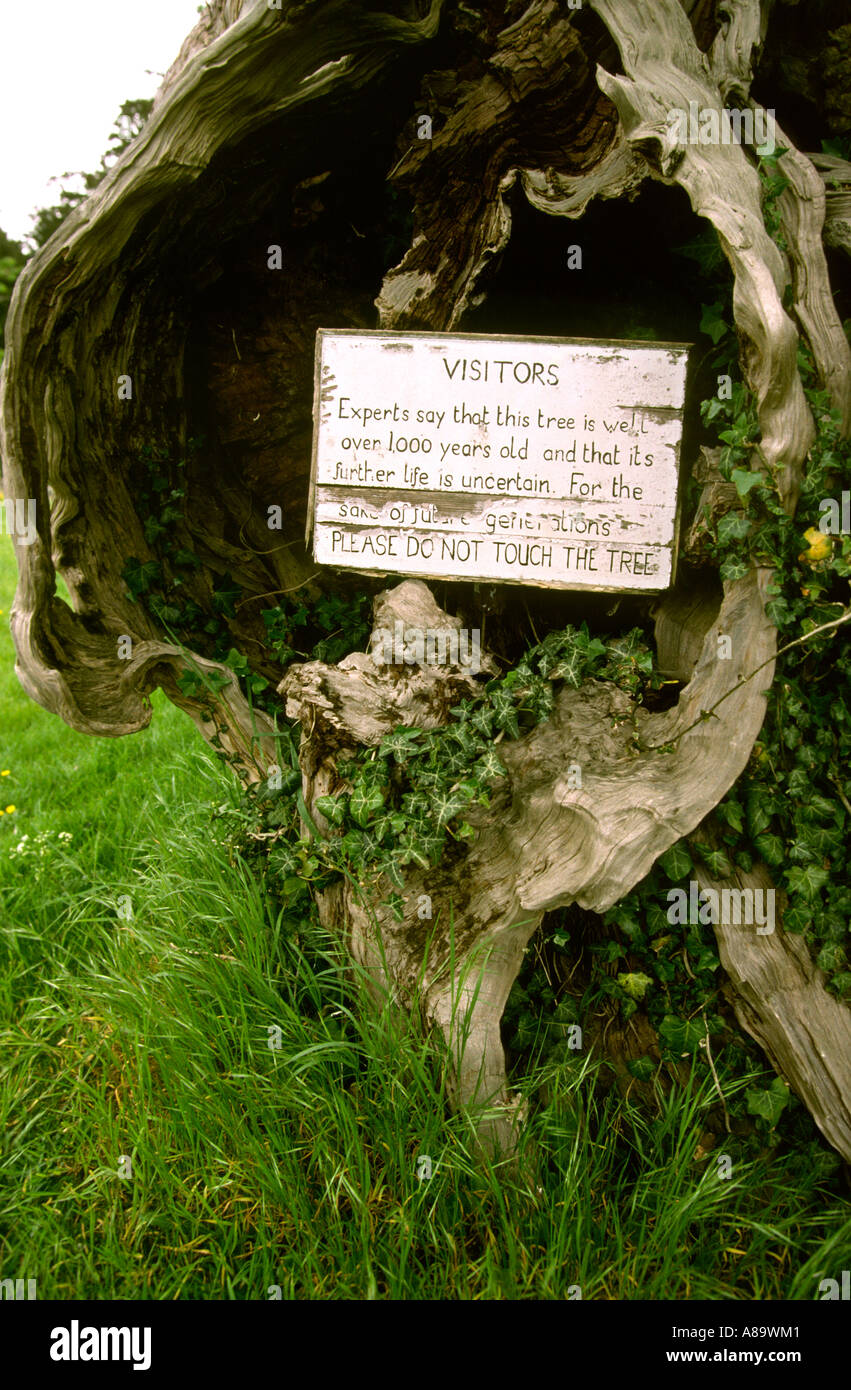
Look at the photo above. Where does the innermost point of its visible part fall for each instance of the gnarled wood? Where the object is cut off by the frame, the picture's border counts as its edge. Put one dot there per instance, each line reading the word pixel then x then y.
pixel 780 998
pixel 249 144
pixel 666 72
pixel 646 780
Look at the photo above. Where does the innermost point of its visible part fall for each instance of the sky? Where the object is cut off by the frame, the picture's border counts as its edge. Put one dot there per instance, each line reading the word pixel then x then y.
pixel 65 69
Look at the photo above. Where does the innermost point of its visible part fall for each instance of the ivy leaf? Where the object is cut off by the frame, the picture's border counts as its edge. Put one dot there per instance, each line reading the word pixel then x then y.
pixel 389 866
pixel 634 985
pixel 733 527
pixel 681 1035
pixel 332 808
pixel 400 745
pixel 733 568
pixel 186 558
pixel 797 918
pixel 167 613
pixel 482 721
pixel 732 814
pixel 657 918
pixel 768 1105
pixel 225 596
pixel 153 530
pixel 831 957
pixel 759 810
pixel 490 766
pixel 237 662
pixel 190 683
pixel 365 802
pixel 139 577
pixel 569 669
pixel 777 611
pixel 676 863
pixel 771 849
pixel 713 323
pixel 448 804
pixel 642 1068
pixel 746 480
pixel 807 880
pixel 715 859
pixel 504 713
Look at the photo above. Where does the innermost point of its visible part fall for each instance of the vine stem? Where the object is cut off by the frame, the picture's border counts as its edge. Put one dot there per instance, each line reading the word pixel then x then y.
pixel 273 593
pixel 798 642
pixel 704 1043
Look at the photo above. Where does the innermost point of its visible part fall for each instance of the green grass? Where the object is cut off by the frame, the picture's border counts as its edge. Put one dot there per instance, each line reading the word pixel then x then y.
pixel 296 1166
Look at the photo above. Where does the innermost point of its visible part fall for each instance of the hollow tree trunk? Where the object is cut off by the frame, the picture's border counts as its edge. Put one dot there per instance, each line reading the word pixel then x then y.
pixel 161 277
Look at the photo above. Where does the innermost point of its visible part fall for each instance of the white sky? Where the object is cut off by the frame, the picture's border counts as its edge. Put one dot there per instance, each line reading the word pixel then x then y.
pixel 65 69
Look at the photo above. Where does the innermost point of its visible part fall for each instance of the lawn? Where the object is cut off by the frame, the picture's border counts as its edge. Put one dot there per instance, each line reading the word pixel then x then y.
pixel 197 1103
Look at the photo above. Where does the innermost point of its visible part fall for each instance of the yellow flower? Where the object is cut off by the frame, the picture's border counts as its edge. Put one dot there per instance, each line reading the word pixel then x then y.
pixel 5 772
pixel 10 810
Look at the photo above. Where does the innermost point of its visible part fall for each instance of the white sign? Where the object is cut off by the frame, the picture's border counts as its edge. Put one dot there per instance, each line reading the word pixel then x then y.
pixel 545 461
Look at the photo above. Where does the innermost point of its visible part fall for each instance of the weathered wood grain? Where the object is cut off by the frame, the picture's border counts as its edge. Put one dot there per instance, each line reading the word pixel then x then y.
pixel 779 997
pixel 152 276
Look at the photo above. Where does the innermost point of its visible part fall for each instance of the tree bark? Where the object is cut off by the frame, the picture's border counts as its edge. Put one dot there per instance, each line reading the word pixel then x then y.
pixel 161 277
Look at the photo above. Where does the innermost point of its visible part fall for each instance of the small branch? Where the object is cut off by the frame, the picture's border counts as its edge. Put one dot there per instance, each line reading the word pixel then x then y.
pixel 275 593
pixel 704 1043
pixel 798 642
pixel 842 797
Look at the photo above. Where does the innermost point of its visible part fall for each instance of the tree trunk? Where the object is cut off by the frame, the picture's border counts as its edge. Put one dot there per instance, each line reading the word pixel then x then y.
pixel 295 128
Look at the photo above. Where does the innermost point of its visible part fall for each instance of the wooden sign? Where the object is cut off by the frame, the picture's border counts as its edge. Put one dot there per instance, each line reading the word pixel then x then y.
pixel 545 461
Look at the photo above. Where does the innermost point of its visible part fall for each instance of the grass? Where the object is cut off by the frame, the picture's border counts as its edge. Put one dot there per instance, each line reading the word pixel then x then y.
pixel 274 1117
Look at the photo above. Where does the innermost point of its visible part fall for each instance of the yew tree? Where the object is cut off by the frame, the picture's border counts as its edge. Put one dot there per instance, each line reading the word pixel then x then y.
pixel 434 165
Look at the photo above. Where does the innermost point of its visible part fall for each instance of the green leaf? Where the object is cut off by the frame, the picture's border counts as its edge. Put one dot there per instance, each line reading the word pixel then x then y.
pixel 771 849
pixel 490 766
pixel 733 527
pixel 332 808
pixel 681 1035
pixel 569 669
pixel 139 577
pixel 365 802
pixel 768 1105
pixel 807 880
pixel 746 480
pixel 504 713
pixel 715 859
pixel 676 863
pixel 186 558
pixel 831 957
pixel 642 1068
pixel 733 568
pixel 777 611
pixel 713 323
pixel 759 810
pixel 732 813
pixel 225 596
pixel 635 985
pixel 401 744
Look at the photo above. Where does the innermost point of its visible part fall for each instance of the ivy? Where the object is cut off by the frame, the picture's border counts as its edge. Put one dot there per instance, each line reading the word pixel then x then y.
pixel 415 798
